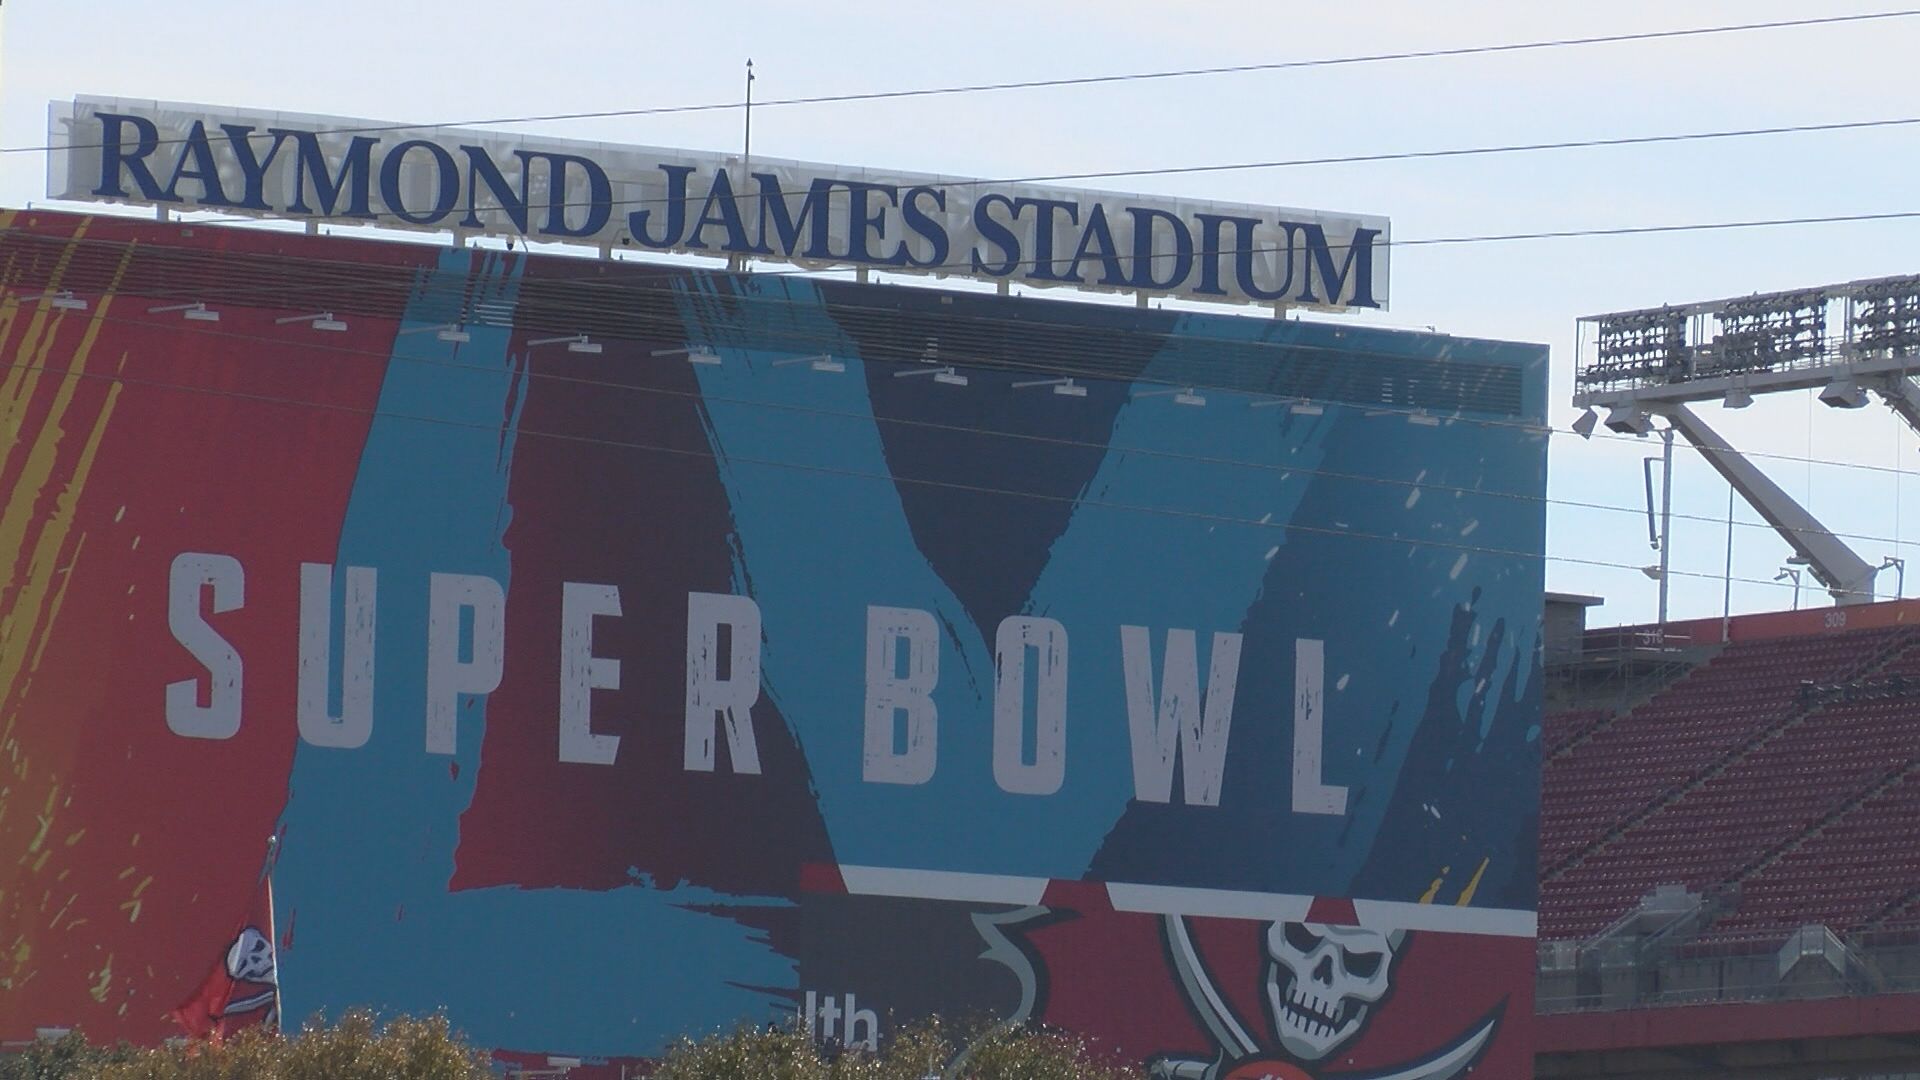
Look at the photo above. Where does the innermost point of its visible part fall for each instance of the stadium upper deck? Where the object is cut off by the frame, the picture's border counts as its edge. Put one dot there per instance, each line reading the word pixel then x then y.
pixel 1777 776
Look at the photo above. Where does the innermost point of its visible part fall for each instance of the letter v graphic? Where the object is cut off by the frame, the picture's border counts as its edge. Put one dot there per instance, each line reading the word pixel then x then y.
pixel 1162 537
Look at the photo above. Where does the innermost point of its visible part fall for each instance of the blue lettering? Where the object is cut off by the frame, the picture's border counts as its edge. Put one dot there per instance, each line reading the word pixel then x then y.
pixel 1242 257
pixel 996 234
pixel 253 169
pixel 1143 258
pixel 113 157
pixel 599 194
pixel 860 221
pixel 310 163
pixel 1359 263
pixel 720 202
pixel 786 225
pixel 919 223
pixel 1098 229
pixel 1210 254
pixel 481 169
pixel 1043 233
pixel 196 150
pixel 676 211
pixel 444 198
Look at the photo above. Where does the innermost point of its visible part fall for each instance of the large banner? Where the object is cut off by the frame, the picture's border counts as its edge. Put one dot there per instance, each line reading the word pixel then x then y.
pixel 810 651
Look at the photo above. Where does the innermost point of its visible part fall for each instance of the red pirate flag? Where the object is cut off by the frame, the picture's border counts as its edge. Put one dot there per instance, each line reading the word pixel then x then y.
pixel 243 988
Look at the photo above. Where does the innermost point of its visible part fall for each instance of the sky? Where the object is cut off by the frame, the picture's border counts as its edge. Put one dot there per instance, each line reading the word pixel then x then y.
pixel 1857 471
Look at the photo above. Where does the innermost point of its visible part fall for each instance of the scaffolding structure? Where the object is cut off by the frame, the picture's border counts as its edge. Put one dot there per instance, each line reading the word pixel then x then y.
pixel 1845 341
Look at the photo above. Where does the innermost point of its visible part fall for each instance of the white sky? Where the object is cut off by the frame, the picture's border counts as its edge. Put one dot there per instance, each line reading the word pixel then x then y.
pixel 434 63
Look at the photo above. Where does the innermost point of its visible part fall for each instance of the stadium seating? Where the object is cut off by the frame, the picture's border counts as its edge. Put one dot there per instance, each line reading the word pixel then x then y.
pixel 1734 776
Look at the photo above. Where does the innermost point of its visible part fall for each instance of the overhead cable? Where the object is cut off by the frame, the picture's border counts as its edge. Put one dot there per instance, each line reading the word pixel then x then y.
pixel 1123 77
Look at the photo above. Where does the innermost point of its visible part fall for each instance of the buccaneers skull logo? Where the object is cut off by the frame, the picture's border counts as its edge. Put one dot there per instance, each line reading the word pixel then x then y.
pixel 1322 985
pixel 1322 980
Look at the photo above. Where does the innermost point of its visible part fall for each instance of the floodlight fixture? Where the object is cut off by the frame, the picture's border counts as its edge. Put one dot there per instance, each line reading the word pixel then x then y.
pixel 1785 573
pixel 1885 316
pixel 943 375
pixel 1583 425
pixel 697 354
pixel 1296 406
pixel 1062 387
pixel 443 331
pixel 818 362
pixel 64 300
pixel 1629 420
pixel 323 320
pixel 1843 394
pixel 1180 396
pixel 578 343
pixel 1737 397
pixel 1899 566
pixel 1653 571
pixel 196 312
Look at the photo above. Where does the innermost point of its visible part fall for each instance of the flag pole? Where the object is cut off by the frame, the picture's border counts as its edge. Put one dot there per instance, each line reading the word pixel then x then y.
pixel 273 931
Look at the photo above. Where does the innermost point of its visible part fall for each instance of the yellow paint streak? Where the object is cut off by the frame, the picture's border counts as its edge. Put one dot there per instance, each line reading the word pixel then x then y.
pixel 45 818
pixel 45 390
pixel 148 880
pixel 35 343
pixel 66 574
pixel 42 566
pixel 132 907
pixel 1433 890
pixel 16 516
pixel 99 989
pixel 1466 894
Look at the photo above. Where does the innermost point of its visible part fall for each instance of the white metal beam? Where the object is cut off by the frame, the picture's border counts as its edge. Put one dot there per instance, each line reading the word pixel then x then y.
pixel 1901 394
pixel 1847 576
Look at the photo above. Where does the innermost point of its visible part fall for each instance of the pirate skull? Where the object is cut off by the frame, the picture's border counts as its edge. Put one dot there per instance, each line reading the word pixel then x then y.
pixel 250 957
pixel 1323 980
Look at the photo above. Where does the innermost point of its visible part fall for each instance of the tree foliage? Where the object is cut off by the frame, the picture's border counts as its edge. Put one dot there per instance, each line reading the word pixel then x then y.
pixel 356 1048
pixel 359 1048
pixel 929 1049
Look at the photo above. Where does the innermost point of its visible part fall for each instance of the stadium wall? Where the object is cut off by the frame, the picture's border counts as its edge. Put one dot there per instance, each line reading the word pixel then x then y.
pixel 600 697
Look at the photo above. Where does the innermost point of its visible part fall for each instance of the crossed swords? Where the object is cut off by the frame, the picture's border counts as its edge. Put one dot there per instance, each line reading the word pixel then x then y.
pixel 1227 1030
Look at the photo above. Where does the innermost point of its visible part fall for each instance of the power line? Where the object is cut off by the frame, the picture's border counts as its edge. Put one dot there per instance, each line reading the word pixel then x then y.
pixel 1469 151
pixel 604 384
pixel 1093 80
pixel 1637 230
pixel 980 489
pixel 1431 241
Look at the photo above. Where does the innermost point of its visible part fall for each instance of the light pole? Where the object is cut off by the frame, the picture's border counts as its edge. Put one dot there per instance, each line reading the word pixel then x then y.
pixel 1789 572
pixel 1660 540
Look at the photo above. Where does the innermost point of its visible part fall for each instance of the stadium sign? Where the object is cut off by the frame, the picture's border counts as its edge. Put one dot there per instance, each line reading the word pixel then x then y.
pixel 439 179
